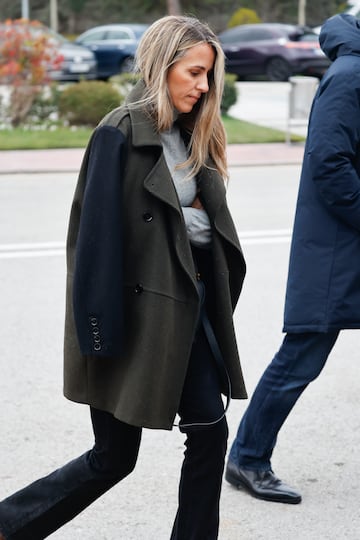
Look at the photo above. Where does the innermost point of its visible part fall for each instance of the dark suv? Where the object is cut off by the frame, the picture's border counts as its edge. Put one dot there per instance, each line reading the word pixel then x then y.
pixel 273 49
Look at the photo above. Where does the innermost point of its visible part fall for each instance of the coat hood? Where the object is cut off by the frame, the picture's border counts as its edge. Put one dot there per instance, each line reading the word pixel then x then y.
pixel 340 35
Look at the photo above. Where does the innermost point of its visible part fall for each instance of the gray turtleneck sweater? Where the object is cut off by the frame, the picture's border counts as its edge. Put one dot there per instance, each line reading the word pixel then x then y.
pixel 196 220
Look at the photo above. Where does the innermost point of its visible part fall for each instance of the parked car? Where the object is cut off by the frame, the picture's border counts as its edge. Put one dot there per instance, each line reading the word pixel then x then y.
pixel 114 46
pixel 273 49
pixel 77 61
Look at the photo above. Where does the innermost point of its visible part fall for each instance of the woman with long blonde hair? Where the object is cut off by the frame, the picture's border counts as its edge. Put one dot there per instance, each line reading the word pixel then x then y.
pixel 155 270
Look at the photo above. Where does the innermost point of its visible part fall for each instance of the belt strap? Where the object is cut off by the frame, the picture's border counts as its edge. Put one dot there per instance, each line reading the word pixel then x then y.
pixel 213 343
pixel 218 358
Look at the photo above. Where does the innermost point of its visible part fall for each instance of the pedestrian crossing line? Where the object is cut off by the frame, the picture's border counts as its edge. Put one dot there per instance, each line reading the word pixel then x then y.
pixel 31 250
pixel 24 250
pixel 261 237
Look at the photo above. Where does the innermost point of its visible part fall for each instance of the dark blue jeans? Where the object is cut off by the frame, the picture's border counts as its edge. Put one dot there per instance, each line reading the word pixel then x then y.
pixel 41 508
pixel 298 362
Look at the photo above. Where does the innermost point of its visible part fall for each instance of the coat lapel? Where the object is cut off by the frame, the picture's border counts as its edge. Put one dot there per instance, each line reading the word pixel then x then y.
pixel 159 183
pixel 213 195
pixel 212 191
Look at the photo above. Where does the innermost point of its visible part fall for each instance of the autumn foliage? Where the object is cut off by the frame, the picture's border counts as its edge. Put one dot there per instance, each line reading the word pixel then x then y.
pixel 27 54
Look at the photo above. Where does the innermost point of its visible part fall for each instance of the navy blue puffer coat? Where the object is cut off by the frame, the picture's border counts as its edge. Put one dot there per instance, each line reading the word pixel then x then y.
pixel 323 290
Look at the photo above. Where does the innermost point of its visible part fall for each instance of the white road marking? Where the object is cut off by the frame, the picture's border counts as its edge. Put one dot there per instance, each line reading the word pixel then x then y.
pixel 56 249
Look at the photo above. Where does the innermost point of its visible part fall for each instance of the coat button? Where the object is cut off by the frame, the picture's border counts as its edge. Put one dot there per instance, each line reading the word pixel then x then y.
pixel 97 347
pixel 147 217
pixel 93 321
pixel 138 288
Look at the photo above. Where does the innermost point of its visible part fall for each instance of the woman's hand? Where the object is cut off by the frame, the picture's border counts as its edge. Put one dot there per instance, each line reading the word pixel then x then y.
pixel 197 204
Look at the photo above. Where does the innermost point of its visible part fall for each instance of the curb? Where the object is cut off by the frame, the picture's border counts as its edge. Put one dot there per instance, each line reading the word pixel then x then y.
pixel 69 160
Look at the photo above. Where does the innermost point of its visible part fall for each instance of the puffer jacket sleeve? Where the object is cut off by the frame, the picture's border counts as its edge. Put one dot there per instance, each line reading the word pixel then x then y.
pixel 97 282
pixel 333 142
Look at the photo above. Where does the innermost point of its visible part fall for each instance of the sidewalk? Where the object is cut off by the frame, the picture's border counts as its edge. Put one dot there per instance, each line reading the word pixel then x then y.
pixel 69 160
pixel 263 103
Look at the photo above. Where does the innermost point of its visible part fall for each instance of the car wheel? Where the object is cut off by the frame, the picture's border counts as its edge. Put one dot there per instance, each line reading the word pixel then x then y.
pixel 277 69
pixel 127 65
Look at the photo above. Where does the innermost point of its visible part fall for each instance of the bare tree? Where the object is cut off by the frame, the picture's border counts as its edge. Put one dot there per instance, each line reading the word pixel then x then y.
pixel 173 7
pixel 25 9
pixel 54 15
pixel 302 12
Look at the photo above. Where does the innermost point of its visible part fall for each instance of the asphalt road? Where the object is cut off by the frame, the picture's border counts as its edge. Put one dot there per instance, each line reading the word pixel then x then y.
pixel 317 449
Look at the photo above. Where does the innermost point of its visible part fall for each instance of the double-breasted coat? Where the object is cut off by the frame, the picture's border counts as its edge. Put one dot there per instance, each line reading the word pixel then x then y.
pixel 323 291
pixel 132 301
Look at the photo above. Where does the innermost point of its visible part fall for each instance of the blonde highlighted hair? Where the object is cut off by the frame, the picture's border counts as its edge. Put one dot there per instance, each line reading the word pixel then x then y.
pixel 164 43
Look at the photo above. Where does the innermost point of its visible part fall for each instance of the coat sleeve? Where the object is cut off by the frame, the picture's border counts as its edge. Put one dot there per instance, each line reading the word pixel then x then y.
pixel 333 145
pixel 97 282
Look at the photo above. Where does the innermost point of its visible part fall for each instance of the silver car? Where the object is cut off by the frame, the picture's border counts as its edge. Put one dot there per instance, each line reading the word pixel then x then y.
pixel 78 61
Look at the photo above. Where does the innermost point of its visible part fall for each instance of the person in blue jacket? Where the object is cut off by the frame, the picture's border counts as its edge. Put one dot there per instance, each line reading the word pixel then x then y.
pixel 323 287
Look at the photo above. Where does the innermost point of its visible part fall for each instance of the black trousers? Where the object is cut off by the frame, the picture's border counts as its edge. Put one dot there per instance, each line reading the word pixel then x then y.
pixel 45 505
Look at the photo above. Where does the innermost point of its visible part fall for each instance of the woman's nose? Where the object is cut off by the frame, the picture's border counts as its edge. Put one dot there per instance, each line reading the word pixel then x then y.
pixel 203 84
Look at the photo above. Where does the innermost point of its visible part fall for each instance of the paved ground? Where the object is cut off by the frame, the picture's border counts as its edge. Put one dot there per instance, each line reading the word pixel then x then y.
pixel 263 103
pixel 279 105
pixel 68 160
pixel 129 510
pixel 317 451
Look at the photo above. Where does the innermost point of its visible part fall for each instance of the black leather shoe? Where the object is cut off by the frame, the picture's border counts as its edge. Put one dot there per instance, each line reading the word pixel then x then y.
pixel 261 484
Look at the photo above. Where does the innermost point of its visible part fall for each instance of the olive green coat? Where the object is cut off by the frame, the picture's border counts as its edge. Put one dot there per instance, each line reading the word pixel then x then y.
pixel 132 301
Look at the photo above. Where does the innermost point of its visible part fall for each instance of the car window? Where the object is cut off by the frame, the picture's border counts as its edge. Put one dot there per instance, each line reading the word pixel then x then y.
pixel 246 34
pixel 260 35
pixel 139 31
pixel 118 34
pixel 308 37
pixel 234 36
pixel 94 36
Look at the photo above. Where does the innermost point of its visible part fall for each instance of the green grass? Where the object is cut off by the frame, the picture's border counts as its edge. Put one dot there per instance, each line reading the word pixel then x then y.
pixel 238 132
pixel 241 132
pixel 21 139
